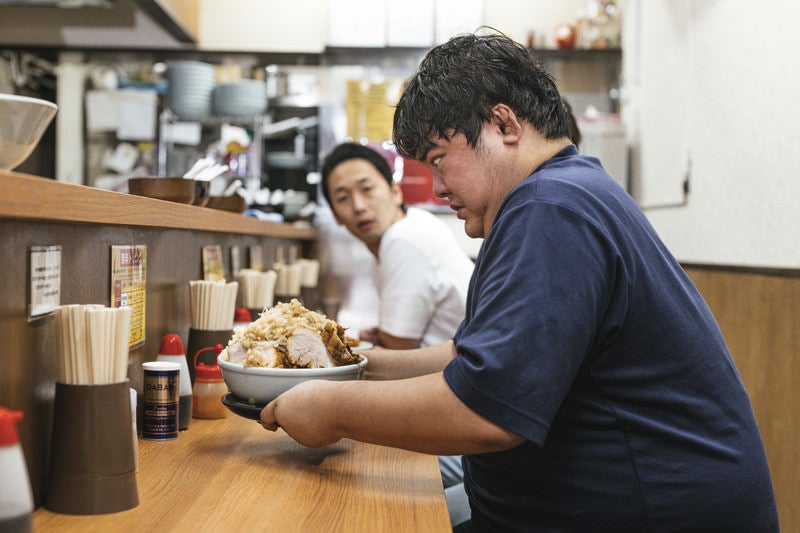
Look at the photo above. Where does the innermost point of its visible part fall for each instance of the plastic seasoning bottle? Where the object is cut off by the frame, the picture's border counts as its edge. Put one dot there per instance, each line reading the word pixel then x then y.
pixel 172 351
pixel 16 498
pixel 209 388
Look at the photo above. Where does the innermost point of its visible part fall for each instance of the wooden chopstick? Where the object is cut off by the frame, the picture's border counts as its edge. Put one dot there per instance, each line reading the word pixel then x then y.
pixel 93 344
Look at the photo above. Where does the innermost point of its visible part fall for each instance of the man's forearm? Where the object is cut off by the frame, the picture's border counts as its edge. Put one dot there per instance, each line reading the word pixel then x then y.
pixel 399 364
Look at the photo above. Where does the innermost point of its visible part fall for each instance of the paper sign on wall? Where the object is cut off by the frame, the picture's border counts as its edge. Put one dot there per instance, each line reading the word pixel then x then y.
pixel 213 269
pixel 128 286
pixel 45 280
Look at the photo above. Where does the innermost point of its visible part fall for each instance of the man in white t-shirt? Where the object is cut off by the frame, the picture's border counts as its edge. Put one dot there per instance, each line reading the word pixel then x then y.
pixel 422 272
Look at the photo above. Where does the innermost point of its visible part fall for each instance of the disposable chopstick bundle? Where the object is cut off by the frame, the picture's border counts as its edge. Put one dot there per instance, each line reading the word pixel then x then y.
pixel 310 272
pixel 294 278
pixel 247 279
pixel 289 279
pixel 96 339
pixel 121 342
pixel 266 289
pixel 92 343
pixel 282 280
pixel 66 342
pixel 256 288
pixel 213 304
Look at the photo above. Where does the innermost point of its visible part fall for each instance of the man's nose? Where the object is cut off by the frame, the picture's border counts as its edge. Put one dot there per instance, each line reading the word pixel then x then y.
pixel 439 188
pixel 359 202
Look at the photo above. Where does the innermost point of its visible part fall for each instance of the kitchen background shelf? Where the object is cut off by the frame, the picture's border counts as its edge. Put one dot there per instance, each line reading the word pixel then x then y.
pixel 210 128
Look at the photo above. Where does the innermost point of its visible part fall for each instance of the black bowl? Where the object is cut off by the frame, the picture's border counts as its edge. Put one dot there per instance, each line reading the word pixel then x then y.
pixel 242 407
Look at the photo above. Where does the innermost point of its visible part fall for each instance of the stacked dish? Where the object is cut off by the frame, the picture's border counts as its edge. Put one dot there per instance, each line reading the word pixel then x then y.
pixel 191 84
pixel 242 99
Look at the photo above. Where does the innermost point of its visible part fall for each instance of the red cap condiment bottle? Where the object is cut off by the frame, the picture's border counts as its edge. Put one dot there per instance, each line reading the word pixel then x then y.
pixel 16 510
pixel 208 390
pixel 172 351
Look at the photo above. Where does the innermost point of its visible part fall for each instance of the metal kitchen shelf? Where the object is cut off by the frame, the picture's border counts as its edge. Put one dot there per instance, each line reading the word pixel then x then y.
pixel 168 117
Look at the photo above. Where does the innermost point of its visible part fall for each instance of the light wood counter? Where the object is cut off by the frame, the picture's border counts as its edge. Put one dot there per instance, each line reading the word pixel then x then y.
pixel 29 197
pixel 232 475
pixel 86 222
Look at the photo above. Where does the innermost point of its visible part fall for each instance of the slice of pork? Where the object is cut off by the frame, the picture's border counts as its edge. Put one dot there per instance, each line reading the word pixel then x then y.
pixel 236 353
pixel 305 349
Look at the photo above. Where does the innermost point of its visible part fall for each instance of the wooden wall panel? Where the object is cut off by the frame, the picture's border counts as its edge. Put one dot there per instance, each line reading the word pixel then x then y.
pixel 759 314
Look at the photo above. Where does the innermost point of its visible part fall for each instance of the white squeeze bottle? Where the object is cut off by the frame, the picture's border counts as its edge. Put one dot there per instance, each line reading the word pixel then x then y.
pixel 16 498
pixel 171 351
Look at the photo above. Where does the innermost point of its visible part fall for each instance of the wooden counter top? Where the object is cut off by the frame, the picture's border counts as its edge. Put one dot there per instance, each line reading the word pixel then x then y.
pixel 27 197
pixel 232 475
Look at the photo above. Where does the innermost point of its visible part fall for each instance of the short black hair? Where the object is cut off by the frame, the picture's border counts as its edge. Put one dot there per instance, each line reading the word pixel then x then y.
pixel 459 82
pixel 574 128
pixel 346 152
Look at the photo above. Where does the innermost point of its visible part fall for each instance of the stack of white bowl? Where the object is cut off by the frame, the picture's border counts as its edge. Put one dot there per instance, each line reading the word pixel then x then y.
pixel 241 100
pixel 191 84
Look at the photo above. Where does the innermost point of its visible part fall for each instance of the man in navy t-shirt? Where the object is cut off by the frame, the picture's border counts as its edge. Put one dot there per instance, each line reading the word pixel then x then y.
pixel 589 387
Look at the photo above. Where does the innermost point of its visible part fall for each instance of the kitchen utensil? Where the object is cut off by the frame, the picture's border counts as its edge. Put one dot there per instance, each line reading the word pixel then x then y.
pixel 198 166
pixel 232 188
pixel 213 304
pixel 209 173
pixel 92 343
pixel 256 288
pixel 23 121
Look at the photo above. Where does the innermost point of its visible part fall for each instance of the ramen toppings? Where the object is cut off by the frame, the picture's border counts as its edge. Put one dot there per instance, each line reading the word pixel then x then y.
pixel 288 335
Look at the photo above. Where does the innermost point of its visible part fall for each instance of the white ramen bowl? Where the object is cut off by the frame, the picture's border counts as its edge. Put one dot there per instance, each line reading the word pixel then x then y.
pixel 23 121
pixel 259 385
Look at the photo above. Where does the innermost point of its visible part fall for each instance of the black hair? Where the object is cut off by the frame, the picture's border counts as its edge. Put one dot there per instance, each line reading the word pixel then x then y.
pixel 574 130
pixel 346 152
pixel 459 82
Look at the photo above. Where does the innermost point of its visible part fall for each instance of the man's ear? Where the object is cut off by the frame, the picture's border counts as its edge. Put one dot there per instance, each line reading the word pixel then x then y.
pixel 397 193
pixel 506 122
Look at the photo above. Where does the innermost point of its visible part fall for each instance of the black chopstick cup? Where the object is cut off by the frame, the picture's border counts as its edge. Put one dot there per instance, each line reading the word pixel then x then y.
pixel 92 464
